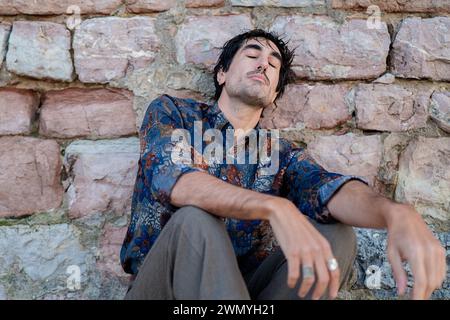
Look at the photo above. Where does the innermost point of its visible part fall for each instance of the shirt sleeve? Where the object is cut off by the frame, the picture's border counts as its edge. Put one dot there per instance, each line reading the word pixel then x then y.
pixel 159 162
pixel 309 186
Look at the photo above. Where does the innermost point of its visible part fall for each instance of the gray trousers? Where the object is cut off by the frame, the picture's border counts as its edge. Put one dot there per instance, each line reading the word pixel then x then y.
pixel 193 258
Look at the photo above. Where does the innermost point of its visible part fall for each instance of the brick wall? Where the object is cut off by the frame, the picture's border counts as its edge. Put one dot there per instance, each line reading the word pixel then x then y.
pixel 372 98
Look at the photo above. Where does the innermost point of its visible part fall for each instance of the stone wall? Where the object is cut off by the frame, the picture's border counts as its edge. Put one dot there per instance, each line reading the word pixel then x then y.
pixel 372 98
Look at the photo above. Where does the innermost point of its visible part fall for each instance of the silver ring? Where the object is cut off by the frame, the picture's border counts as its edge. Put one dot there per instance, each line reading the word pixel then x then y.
pixel 308 272
pixel 332 264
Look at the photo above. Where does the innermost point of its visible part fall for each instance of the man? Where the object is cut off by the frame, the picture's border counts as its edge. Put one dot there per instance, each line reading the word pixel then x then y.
pixel 206 230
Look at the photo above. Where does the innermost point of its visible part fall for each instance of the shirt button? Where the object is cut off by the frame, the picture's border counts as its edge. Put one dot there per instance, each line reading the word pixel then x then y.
pixel 224 178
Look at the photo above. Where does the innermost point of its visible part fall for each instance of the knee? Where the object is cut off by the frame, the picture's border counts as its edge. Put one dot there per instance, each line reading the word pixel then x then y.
pixel 345 245
pixel 196 219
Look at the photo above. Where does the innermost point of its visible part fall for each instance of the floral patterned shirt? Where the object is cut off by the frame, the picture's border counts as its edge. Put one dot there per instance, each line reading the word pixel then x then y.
pixel 298 178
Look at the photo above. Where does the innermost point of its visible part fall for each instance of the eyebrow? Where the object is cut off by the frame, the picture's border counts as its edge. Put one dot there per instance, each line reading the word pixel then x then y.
pixel 258 47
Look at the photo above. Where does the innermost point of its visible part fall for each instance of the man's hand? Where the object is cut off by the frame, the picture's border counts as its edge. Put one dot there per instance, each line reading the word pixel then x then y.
pixel 409 239
pixel 303 246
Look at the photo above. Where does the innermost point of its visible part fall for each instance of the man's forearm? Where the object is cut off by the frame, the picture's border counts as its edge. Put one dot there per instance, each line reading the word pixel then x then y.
pixel 220 198
pixel 358 205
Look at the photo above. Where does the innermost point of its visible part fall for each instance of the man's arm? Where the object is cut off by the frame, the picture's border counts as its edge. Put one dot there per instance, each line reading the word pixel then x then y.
pixel 300 241
pixel 409 239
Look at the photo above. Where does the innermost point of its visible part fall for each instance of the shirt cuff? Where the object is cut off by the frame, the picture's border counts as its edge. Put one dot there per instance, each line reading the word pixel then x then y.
pixel 327 191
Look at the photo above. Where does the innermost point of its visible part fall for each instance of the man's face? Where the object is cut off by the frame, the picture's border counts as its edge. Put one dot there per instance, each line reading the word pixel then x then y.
pixel 253 74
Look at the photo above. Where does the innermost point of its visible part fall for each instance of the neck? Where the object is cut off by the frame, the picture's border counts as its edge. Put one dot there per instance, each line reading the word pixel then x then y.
pixel 241 115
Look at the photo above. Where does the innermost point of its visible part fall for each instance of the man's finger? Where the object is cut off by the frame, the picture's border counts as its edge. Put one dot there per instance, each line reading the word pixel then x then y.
pixel 323 278
pixel 308 276
pixel 334 283
pixel 293 270
pixel 420 276
pixel 399 273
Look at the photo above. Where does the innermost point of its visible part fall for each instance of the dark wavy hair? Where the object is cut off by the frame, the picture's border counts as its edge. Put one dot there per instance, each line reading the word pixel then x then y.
pixel 230 48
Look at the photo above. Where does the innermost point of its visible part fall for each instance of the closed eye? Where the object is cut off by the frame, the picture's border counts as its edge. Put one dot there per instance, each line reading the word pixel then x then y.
pixel 252 57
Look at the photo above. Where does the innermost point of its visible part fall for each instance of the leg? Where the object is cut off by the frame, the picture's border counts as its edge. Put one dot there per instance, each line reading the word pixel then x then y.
pixel 269 280
pixel 192 259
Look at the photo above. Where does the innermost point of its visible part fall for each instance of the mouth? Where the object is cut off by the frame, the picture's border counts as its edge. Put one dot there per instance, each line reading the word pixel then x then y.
pixel 259 78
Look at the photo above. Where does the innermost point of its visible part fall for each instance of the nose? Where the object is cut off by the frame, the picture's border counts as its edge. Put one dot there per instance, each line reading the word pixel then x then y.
pixel 262 67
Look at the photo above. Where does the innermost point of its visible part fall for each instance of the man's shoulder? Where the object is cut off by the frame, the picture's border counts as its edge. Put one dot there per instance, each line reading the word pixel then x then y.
pixel 176 102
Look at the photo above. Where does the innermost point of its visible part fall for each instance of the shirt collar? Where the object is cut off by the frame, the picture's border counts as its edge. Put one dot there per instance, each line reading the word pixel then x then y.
pixel 217 117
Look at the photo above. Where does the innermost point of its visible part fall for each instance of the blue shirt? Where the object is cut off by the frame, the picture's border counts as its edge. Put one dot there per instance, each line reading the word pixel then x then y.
pixel 298 178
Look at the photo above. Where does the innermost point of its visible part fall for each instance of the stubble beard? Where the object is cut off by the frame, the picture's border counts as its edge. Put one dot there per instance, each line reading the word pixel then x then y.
pixel 252 95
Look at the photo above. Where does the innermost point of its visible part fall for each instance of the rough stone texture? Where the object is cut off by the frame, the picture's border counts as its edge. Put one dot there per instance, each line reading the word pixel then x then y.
pixel 17 110
pixel 4 35
pixel 371 255
pixel 440 110
pixel 106 49
pixel 393 144
pixel 40 49
pixel 101 175
pixel 327 50
pixel 395 5
pixel 14 7
pixel 110 245
pixel 204 3
pixel 390 108
pixel 94 113
pixel 348 154
pixel 142 6
pixel 424 176
pixel 277 3
pixel 314 107
pixel 421 49
pixel 199 39
pixel 49 251
pixel 29 176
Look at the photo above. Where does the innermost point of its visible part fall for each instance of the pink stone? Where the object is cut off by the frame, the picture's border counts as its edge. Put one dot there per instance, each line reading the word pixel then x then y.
pixel 143 6
pixel 199 39
pixel 328 50
pixel 29 176
pixel 391 107
pixel 424 176
pixel 349 154
pixel 49 7
pixel 107 49
pixel 314 107
pixel 17 110
pixel 421 49
pixel 439 6
pixel 94 113
pixel 101 176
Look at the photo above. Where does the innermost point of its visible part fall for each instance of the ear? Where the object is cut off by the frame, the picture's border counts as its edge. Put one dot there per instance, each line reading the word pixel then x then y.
pixel 221 77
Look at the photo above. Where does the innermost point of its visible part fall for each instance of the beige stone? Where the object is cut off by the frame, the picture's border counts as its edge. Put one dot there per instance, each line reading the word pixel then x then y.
pixel 328 50
pixel 440 110
pixel 4 34
pixel 47 7
pixel 278 3
pixel 101 176
pixel 143 6
pixel 106 49
pixel 40 49
pixel 424 176
pixel 313 107
pixel 349 154
pixel 204 3
pixel 439 6
pixel 391 107
pixel 199 39
pixel 421 49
